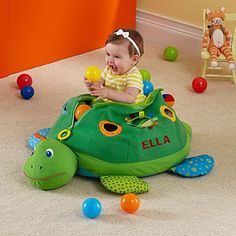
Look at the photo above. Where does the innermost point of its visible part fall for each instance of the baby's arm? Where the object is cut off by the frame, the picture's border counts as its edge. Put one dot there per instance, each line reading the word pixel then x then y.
pixel 90 85
pixel 127 96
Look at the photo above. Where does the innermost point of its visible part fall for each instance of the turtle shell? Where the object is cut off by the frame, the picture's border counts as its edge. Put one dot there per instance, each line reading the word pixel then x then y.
pixel 111 138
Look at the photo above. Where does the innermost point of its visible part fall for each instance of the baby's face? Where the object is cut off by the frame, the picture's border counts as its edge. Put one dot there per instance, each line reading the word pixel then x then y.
pixel 118 58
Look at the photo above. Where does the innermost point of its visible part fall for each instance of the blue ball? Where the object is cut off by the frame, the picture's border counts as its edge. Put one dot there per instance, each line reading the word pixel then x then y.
pixel 147 87
pixel 92 208
pixel 27 92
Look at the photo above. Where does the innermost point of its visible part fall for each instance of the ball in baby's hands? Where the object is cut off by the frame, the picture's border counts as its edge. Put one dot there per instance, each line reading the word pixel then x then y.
pixel 93 73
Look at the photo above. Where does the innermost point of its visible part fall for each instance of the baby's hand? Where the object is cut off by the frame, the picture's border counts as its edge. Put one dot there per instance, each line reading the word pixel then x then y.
pixel 88 84
pixel 99 91
pixel 92 85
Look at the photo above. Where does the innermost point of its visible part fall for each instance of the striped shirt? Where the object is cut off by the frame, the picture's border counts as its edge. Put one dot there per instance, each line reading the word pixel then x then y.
pixel 132 78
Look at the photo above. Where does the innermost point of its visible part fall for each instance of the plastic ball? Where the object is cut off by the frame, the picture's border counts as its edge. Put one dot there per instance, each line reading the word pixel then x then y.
pixel 199 84
pixel 145 74
pixel 80 110
pixel 147 87
pixel 24 80
pixel 92 208
pixel 170 53
pixel 169 99
pixel 27 92
pixel 93 73
pixel 129 203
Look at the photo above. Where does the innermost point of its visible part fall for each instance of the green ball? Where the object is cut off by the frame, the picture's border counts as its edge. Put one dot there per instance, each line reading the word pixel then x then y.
pixel 145 74
pixel 170 53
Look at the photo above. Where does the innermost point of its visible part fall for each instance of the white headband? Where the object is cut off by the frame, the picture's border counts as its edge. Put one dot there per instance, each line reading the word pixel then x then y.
pixel 126 36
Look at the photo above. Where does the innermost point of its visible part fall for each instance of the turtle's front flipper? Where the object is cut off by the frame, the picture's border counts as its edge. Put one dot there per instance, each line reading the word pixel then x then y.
pixel 124 184
pixel 194 166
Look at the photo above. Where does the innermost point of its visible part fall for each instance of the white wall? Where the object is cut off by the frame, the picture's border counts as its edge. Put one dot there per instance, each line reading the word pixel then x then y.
pixel 189 11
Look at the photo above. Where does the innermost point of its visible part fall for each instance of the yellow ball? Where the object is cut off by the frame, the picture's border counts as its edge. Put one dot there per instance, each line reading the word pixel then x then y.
pixel 93 73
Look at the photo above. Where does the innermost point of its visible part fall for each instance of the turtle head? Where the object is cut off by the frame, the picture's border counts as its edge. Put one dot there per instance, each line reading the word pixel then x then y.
pixel 51 165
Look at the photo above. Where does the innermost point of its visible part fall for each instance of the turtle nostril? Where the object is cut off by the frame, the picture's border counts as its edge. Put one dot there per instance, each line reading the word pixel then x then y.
pixel 31 166
pixel 40 167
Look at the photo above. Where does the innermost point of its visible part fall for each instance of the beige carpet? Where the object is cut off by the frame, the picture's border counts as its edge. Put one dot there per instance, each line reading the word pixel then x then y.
pixel 174 205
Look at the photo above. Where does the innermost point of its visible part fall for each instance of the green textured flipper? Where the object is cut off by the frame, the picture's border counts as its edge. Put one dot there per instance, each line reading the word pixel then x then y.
pixel 124 184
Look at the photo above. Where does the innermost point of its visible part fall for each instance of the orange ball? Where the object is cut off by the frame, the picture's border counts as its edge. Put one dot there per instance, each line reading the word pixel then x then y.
pixel 80 110
pixel 129 203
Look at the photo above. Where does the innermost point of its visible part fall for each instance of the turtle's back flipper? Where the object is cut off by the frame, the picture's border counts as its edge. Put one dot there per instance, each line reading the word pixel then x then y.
pixel 124 184
pixel 194 166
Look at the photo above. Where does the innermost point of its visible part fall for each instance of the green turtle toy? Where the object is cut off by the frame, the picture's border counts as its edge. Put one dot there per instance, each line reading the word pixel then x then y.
pixel 115 142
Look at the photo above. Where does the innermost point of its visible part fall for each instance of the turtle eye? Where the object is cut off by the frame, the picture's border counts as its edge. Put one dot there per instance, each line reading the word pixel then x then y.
pixel 109 129
pixel 49 152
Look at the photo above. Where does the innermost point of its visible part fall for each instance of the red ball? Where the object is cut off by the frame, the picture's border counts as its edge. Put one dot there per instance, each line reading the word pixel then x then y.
pixel 169 99
pixel 199 84
pixel 24 80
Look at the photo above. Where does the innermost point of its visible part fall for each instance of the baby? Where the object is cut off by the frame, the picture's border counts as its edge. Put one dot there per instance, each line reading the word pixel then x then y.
pixel 121 80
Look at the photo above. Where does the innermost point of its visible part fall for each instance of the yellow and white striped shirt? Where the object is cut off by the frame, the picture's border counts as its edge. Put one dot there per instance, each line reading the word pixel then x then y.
pixel 132 78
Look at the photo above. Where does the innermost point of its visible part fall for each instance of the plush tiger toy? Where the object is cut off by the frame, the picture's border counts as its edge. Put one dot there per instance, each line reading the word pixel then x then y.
pixel 216 38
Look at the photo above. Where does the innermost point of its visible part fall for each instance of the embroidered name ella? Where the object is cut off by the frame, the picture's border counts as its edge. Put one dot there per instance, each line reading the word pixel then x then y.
pixel 151 143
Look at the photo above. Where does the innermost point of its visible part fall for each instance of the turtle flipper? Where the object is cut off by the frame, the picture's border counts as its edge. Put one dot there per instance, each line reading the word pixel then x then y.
pixel 124 184
pixel 194 166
